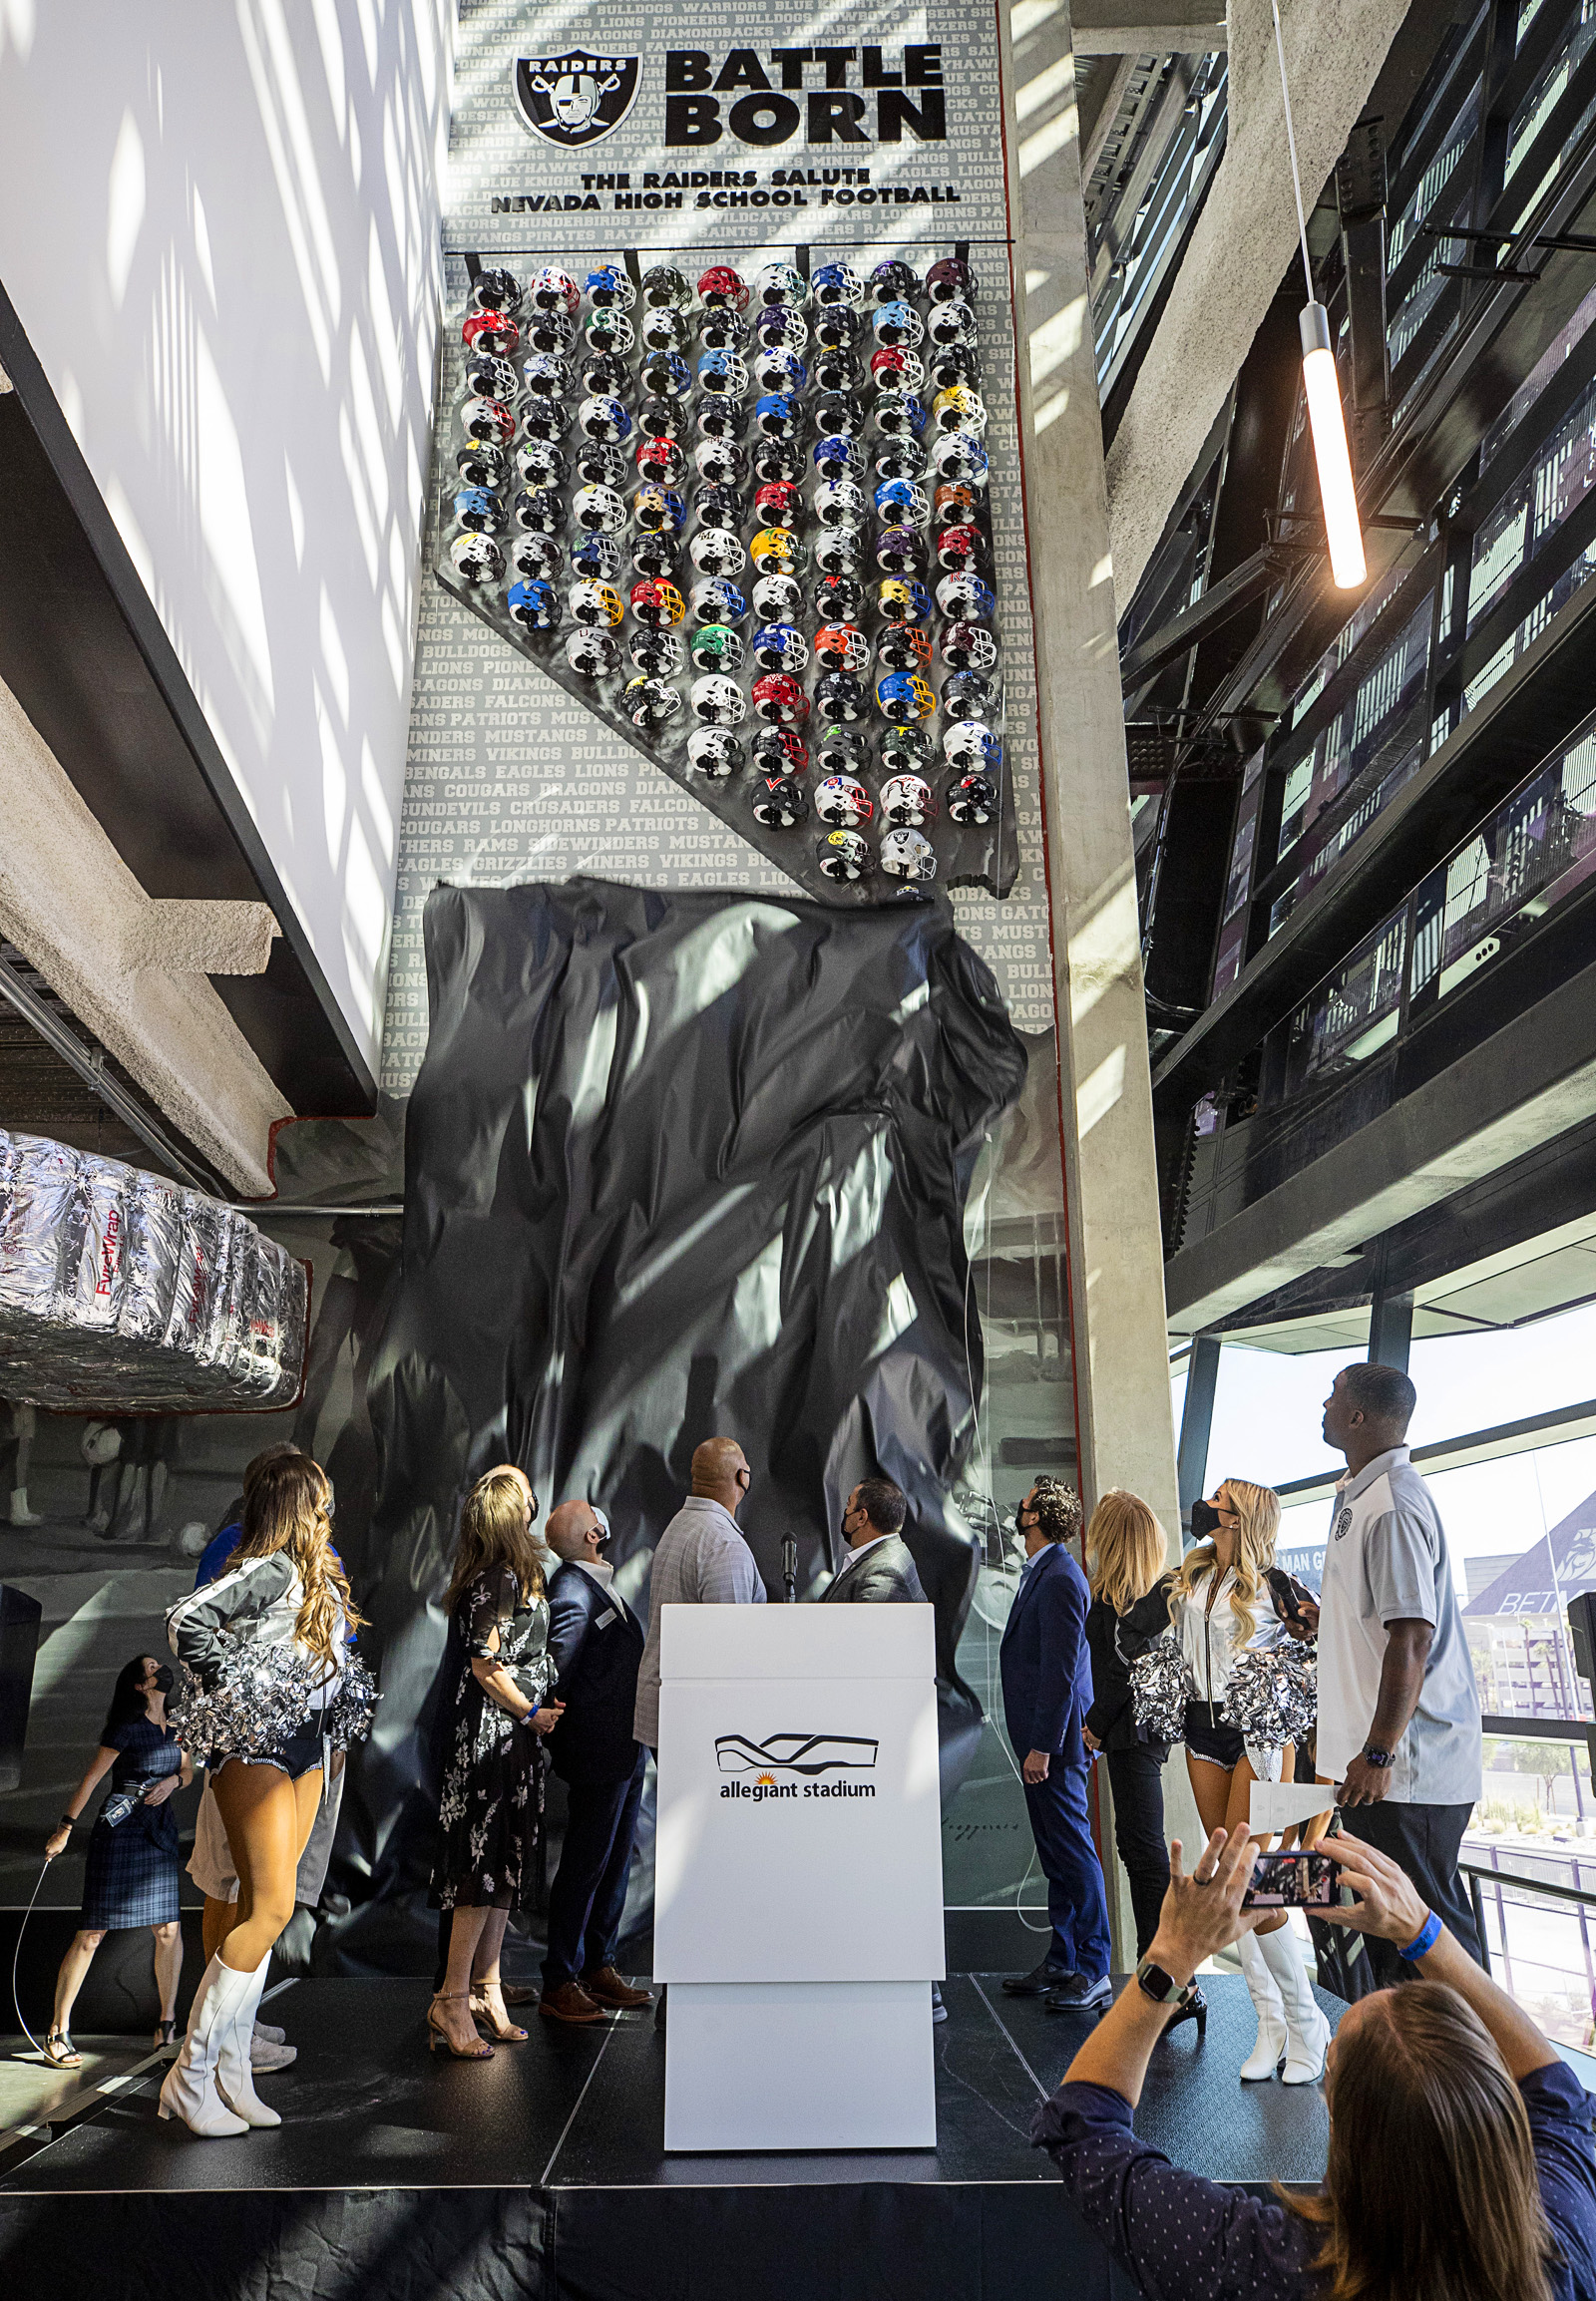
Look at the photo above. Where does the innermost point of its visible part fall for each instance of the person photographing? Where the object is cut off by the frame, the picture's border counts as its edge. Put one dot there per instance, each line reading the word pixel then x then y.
pixel 1460 2166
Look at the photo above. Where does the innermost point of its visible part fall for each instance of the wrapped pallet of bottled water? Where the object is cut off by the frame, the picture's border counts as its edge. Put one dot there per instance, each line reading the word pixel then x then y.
pixel 120 1292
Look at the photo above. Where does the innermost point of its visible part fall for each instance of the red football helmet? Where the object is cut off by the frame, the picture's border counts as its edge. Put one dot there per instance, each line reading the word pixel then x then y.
pixel 491 331
pixel 779 698
pixel 722 289
pixel 778 505
pixel 960 550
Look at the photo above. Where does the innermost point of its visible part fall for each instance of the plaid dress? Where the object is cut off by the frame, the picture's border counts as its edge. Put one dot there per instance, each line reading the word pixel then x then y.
pixel 131 1876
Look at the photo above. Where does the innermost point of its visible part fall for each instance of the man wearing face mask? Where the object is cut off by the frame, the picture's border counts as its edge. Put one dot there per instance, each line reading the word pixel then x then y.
pixel 596 1645
pixel 703 1560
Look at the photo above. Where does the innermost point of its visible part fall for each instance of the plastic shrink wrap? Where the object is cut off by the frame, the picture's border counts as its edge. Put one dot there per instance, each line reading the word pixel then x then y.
pixel 122 1292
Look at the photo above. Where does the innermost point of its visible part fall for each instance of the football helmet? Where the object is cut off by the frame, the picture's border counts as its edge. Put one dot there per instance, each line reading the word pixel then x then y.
pixel 597 463
pixel 951 322
pixel 657 654
pixel 719 507
pixel 781 283
pixel 780 648
pixel 840 697
pixel 973 799
pixel 838 598
pixel 898 459
pixel 722 330
pixel 723 375
pixel 480 465
pixel 908 855
pixel 545 419
pixel 603 418
pixel 546 375
pixel 493 332
pixel 665 374
pixel 899 416
pixel 971 747
pixel 902 502
pixel 591 653
pixel 900 552
pixel 839 412
pixel 715 753
pixel 535 606
pixel 960 456
pixel 721 417
pixel 778 597
pixel 966 696
pixel 780 505
pixel 490 420
pixel 903 603
pixel 778 751
pixel 960 551
pixel 893 281
pixel 778 416
pixel 660 463
pixel 895 322
pixel 959 410
pixel 536 557
pixel 659 511
pixel 775 547
pixel 778 370
pixel 716 601
pixel 664 284
pixel 556 330
pixel 540 511
pixel 895 369
pixel 904 696
pixel 842 802
pixel 656 603
pixel 598 557
pixel 841 648
pixel 661 418
pixel 841 752
pixel 722 289
pixel 779 328
pixel 721 462
pixel 650 703
pixel 541 464
pixel 779 699
pixel 601 510
pixel 841 504
pixel 906 751
pixel 839 456
pixel 657 554
pixel 599 605
pixel 609 288
pixel 778 802
pixel 480 509
pixel 840 551
pixel 476 559
pixel 844 855
pixel 966 599
pixel 953 504
pixel 778 460
pixel 717 701
pixel 835 369
pixel 491 379
pixel 948 278
pixel 835 283
pixel 904 647
pixel 551 290
pixel 717 647
pixel 664 330
pixel 608 330
pixel 496 289
pixel 948 364
pixel 968 648
pixel 837 326
pixel 906 801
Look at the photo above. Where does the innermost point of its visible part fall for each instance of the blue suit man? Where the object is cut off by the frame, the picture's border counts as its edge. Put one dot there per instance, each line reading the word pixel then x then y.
pixel 596 1643
pixel 1046 1679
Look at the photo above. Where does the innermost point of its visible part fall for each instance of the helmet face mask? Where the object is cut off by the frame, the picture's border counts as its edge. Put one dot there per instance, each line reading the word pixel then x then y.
pixel 595 605
pixel 907 854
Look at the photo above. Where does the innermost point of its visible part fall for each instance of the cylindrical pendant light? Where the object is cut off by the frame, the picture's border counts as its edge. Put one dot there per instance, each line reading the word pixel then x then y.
pixel 1322 386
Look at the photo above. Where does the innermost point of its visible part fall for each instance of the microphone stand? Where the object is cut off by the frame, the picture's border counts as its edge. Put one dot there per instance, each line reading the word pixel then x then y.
pixel 789 1568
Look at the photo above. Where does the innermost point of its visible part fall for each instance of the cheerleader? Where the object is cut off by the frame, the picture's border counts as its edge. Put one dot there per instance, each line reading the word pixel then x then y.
pixel 1226 1602
pixel 273 1690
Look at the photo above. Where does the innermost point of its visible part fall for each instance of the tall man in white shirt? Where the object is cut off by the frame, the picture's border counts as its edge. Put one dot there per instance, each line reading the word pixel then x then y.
pixel 703 1560
pixel 1398 1709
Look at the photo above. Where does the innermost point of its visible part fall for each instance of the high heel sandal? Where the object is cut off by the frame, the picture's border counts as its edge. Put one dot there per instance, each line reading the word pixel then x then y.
pixel 482 2010
pixel 1191 2006
pixel 166 2036
pixel 437 2036
pixel 69 2057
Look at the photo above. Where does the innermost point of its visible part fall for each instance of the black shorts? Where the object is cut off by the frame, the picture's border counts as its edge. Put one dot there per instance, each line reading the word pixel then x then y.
pixel 300 1754
pixel 1206 1737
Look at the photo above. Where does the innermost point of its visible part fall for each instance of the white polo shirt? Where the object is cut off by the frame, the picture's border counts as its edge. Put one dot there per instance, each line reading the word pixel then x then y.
pixel 1386 1559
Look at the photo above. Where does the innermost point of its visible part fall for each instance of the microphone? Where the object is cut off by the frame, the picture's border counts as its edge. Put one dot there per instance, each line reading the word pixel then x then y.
pixel 789 1567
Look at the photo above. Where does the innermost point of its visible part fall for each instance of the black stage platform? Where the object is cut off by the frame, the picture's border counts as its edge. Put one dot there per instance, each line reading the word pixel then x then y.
pixel 541 2173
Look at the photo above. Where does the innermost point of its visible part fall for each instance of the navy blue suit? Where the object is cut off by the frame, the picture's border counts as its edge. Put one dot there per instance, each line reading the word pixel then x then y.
pixel 596 1645
pixel 1046 1679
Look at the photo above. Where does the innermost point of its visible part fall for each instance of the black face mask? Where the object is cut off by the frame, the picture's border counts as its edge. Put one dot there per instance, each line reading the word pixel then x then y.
pixel 1204 1521
pixel 163 1678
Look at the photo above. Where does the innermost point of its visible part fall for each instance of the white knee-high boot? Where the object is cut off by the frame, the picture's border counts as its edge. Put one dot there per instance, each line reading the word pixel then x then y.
pixel 234 2081
pixel 189 2089
pixel 1270 2042
pixel 1307 2028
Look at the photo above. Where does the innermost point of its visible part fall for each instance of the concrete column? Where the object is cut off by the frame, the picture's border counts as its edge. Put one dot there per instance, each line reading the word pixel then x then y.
pixel 1196 1420
pixel 1110 1185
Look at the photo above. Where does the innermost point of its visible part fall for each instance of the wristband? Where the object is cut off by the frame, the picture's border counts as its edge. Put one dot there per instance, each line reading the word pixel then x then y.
pixel 68 1821
pixel 1424 1941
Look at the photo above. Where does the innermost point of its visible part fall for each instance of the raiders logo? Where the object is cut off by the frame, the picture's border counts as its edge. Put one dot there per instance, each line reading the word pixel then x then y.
pixel 1344 1520
pixel 575 99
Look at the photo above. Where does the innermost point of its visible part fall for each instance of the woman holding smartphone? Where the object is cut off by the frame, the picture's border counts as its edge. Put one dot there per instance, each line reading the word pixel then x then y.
pixel 1228 1599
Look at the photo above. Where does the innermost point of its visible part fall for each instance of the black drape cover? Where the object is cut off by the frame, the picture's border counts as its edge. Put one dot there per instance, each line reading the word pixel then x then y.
pixel 677 1164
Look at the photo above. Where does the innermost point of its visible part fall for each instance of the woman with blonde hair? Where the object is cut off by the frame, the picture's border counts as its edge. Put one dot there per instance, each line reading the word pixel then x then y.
pixel 1227 1599
pixel 272 1687
pixel 493 1713
pixel 1126 1552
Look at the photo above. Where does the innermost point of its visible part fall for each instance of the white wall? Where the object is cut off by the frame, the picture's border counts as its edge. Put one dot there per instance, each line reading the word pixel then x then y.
pixel 218 225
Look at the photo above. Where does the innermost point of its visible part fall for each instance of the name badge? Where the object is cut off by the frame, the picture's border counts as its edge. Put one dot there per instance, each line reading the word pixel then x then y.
pixel 610 1615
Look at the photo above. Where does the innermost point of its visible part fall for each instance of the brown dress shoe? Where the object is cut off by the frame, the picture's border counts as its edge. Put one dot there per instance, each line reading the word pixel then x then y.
pixel 568 2002
pixel 608 1988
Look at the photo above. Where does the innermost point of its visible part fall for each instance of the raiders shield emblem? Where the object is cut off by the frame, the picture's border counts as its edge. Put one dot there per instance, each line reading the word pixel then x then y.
pixel 575 99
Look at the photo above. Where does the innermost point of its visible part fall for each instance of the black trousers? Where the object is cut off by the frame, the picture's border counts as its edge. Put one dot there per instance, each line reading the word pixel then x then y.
pixel 588 1891
pixel 1136 1776
pixel 1424 1842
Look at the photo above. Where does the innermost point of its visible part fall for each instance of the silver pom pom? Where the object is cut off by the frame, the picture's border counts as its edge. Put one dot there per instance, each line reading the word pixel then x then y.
pixel 259 1699
pixel 1273 1695
pixel 1161 1684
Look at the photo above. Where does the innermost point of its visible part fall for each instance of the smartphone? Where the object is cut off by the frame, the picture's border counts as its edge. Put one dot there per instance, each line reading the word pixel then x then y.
pixel 1299 1879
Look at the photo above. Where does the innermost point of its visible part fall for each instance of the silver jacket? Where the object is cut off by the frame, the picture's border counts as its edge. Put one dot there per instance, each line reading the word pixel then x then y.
pixel 255 1604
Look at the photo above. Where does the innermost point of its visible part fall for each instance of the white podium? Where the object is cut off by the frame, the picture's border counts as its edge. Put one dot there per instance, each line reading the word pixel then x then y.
pixel 798 1876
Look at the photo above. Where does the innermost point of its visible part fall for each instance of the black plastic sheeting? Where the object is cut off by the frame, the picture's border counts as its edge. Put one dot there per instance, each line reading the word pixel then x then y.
pixel 676 1164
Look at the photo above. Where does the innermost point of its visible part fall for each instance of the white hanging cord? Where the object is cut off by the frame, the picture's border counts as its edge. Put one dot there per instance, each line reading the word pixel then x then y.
pixel 1291 145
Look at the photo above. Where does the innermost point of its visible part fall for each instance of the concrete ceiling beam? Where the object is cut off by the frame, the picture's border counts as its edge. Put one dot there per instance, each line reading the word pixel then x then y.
pixel 1147 27
pixel 133 969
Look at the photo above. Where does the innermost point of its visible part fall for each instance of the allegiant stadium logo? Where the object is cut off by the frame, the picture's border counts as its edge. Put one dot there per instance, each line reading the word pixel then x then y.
pixel 764 1769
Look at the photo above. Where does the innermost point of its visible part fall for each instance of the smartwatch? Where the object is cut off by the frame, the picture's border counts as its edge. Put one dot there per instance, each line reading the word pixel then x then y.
pixel 1377 1757
pixel 1154 1983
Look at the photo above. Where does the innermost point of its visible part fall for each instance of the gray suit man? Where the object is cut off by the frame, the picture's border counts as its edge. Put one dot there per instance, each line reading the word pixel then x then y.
pixel 878 1566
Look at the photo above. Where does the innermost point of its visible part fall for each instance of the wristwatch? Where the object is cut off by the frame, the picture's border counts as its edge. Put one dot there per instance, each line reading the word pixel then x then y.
pixel 1154 1983
pixel 1376 1756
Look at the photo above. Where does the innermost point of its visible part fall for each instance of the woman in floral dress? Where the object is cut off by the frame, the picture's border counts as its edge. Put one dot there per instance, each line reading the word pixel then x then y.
pixel 490 1812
